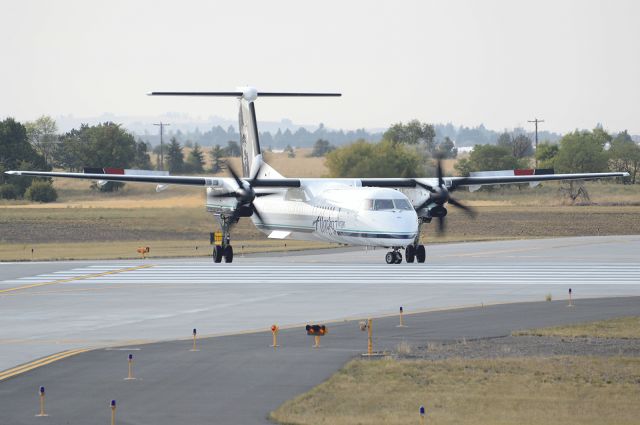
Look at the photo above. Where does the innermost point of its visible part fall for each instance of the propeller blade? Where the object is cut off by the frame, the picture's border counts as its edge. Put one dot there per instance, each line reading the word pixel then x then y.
pixel 234 175
pixel 424 204
pixel 441 225
pixel 425 186
pixel 439 169
pixel 465 208
pixel 257 213
pixel 265 194
pixel 257 173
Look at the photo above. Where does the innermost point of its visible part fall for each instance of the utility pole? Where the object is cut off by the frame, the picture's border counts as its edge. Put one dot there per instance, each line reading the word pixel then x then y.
pixel 162 125
pixel 536 121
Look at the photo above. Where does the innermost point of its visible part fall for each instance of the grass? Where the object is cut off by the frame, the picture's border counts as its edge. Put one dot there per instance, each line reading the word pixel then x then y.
pixel 101 229
pixel 527 391
pixel 128 249
pixel 624 327
pixel 100 222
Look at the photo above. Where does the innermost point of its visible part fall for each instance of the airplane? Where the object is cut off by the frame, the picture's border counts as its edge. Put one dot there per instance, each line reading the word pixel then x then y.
pixel 374 212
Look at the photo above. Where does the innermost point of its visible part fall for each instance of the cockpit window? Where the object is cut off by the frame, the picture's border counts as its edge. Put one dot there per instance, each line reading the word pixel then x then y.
pixel 382 204
pixel 386 204
pixel 402 204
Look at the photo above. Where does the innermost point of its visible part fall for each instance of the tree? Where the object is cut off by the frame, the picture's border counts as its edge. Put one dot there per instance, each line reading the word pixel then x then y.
pixel 412 133
pixel 216 155
pixel 447 149
pixel 141 159
pixel 624 155
pixel 520 144
pixel 175 156
pixel 546 154
pixel 16 153
pixel 290 152
pixel 488 158
pixel 98 146
pixel 582 152
pixel 383 159
pixel 42 136
pixel 321 147
pixel 232 149
pixel 195 160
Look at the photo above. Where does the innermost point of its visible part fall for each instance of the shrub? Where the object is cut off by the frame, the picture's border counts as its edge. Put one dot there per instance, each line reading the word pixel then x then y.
pixel 41 191
pixel 8 191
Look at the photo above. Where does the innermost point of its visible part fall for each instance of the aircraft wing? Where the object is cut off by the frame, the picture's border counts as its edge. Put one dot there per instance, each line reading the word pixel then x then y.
pixel 455 182
pixel 133 178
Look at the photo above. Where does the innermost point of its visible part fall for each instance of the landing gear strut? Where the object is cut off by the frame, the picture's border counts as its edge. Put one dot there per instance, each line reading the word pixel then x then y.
pixel 224 251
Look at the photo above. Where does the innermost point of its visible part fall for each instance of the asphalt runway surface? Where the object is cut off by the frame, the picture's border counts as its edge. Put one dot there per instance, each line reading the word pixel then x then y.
pixel 239 379
pixel 53 307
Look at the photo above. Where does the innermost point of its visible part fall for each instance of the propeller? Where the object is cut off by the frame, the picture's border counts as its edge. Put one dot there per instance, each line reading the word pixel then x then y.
pixel 441 195
pixel 244 194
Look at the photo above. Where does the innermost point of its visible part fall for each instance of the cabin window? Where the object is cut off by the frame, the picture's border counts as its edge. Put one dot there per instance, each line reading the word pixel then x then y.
pixel 382 204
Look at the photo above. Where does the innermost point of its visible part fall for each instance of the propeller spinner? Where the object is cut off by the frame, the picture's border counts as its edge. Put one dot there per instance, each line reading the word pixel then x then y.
pixel 441 195
pixel 245 195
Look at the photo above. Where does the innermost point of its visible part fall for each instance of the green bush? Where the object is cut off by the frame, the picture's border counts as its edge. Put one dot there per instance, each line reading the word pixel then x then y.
pixel 41 191
pixel 8 191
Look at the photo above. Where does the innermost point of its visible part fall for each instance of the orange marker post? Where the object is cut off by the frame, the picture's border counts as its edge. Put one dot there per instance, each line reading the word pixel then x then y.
pixel 195 332
pixel 274 333
pixel 570 300
pixel 401 325
pixel 42 412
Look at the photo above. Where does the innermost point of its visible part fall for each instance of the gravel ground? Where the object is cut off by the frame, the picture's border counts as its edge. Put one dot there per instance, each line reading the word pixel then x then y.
pixel 521 346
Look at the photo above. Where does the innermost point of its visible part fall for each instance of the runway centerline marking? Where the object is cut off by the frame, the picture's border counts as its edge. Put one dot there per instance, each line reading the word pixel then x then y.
pixel 71 279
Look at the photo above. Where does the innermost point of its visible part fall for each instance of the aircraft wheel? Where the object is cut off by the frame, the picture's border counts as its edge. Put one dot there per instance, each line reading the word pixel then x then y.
pixel 217 254
pixel 410 253
pixel 398 257
pixel 228 254
pixel 421 255
pixel 390 258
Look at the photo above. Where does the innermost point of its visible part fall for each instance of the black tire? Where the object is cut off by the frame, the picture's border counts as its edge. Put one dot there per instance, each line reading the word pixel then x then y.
pixel 217 254
pixel 398 257
pixel 421 254
pixel 390 258
pixel 410 253
pixel 228 254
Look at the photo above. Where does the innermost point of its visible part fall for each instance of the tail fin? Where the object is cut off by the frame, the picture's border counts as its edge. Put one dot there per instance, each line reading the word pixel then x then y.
pixel 248 126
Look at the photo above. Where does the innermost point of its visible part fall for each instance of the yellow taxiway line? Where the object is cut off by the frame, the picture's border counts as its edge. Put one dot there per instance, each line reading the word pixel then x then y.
pixel 71 279
pixel 39 363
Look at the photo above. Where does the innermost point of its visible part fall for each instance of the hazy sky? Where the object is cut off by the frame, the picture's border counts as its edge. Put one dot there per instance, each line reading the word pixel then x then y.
pixel 573 63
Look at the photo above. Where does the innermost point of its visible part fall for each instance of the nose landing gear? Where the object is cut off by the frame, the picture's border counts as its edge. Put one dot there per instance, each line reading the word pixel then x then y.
pixel 224 251
pixel 393 257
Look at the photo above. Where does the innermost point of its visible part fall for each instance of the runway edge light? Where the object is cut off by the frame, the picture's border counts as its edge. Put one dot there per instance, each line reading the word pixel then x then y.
pixel 113 412
pixel 41 393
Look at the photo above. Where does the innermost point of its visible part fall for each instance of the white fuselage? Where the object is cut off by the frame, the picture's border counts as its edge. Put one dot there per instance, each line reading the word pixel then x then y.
pixel 335 212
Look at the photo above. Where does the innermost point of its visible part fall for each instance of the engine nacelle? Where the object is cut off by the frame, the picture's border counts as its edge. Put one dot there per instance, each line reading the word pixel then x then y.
pixel 437 211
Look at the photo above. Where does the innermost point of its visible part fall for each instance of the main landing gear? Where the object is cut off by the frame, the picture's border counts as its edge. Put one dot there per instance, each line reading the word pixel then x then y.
pixel 412 253
pixel 224 251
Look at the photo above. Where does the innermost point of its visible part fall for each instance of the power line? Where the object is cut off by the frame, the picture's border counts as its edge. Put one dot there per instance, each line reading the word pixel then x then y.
pixel 536 121
pixel 162 125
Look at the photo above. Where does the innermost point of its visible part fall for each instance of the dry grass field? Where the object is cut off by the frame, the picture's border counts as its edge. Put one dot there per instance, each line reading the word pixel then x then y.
pixel 530 390
pixel 526 391
pixel 621 328
pixel 103 222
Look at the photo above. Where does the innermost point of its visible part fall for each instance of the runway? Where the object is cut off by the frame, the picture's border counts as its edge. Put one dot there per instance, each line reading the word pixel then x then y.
pixel 52 307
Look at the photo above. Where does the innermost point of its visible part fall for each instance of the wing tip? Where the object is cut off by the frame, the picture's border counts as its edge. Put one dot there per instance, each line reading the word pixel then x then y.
pixel 13 173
